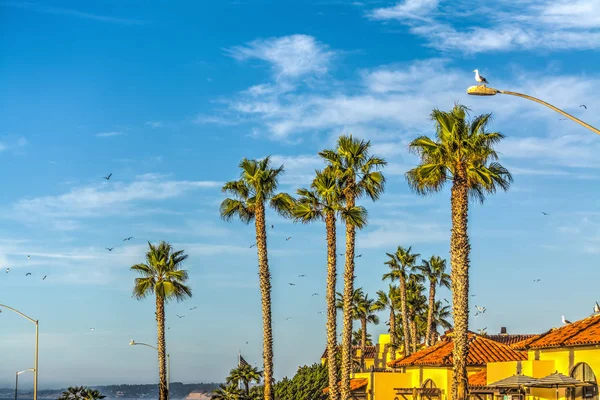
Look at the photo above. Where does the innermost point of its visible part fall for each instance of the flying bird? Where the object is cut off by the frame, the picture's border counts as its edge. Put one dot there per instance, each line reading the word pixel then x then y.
pixel 545 213
pixel 479 78
pixel 584 106
pixel 92 329
pixel 28 257
pixel 110 248
pixel 314 294
pixel 44 278
pixel 7 270
pixel 596 308
pixel 565 321
pixel 180 316
pixel 291 284
pixel 27 274
pixel 252 246
pixel 288 238
pixel 446 300
pixel 358 256
pixel 272 226
pixel 288 318
pixel 128 238
pixel 301 276
pixel 320 312
pixel 480 309
pixel 537 280
pixel 193 308
pixel 108 177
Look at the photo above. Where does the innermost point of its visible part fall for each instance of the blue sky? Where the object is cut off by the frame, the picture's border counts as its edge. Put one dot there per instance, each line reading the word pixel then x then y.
pixel 169 97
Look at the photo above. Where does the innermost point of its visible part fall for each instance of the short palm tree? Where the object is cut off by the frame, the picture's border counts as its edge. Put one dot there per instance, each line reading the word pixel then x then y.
pixel 81 393
pixel 389 301
pixel 323 202
pixel 401 264
pixel 229 392
pixel 357 338
pixel 162 277
pixel 245 374
pixel 255 189
pixel 434 270
pixel 462 152
pixel 358 175
pixel 441 317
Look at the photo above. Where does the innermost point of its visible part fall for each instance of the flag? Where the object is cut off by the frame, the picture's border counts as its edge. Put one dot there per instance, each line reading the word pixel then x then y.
pixel 243 363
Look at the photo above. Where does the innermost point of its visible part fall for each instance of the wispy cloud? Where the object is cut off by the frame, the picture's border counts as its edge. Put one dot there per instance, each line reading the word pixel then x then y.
pixel 154 124
pixel 13 143
pixel 290 56
pixel 109 134
pixel 69 12
pixel 388 233
pixel 522 25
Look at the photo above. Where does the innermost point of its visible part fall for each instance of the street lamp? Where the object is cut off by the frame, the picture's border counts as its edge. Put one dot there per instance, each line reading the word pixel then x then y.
pixel 17 380
pixel 35 368
pixel 134 343
pixel 482 90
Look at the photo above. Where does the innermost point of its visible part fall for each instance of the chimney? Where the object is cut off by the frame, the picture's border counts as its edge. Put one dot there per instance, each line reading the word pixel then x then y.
pixel 503 330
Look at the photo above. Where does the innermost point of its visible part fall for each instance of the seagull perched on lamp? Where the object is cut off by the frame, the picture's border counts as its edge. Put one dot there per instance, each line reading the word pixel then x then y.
pixel 479 78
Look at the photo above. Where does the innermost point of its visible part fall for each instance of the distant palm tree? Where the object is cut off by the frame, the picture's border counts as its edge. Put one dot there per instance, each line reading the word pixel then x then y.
pixel 401 264
pixel 416 305
pixel 462 152
pixel 245 374
pixel 81 393
pixel 357 338
pixel 358 175
pixel 163 277
pixel 255 189
pixel 389 301
pixel 229 392
pixel 434 270
pixel 441 316
pixel 323 202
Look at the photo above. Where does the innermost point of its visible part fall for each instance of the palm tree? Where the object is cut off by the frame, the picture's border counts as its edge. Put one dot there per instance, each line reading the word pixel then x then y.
pixel 441 316
pixel 162 276
pixel 461 152
pixel 229 392
pixel 256 187
pixel 415 306
pixel 389 301
pixel 358 175
pixel 245 374
pixel 323 202
pixel 81 393
pixel 357 338
pixel 434 270
pixel 401 264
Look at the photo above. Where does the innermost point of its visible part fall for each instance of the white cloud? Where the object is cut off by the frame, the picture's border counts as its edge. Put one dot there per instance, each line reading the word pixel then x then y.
pixel 388 233
pixel 406 9
pixel 154 124
pixel 109 134
pixel 299 169
pixel 2 147
pixel 108 198
pixel 290 56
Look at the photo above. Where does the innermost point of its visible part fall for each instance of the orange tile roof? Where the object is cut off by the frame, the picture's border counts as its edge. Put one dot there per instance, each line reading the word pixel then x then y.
pixel 511 339
pixel 354 384
pixel 481 352
pixel 370 352
pixel 578 333
pixel 478 378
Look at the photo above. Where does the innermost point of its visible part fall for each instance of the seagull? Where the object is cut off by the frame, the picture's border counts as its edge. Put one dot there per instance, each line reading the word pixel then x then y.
pixel 482 331
pixel 565 321
pixel 27 274
pixel 44 278
pixel 358 256
pixel 28 257
pixel 341 254
pixel 108 177
pixel 252 246
pixel 584 106
pixel 193 308
pixel 180 316
pixel 110 248
pixel 472 295
pixel 596 308
pixel 128 238
pixel 7 270
pixel 314 294
pixel 320 312
pixel 272 226
pixel 480 309
pixel 288 238
pixel 288 318
pixel 291 284
pixel 545 213
pixel 92 329
pixel 301 276
pixel 537 280
pixel 447 302
pixel 562 119
pixel 479 78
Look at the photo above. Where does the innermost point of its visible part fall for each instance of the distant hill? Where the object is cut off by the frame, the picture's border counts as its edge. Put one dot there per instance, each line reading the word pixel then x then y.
pixel 178 391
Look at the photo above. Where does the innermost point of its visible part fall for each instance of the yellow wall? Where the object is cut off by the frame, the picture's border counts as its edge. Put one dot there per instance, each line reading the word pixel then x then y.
pixel 586 354
pixel 385 382
pixel 536 369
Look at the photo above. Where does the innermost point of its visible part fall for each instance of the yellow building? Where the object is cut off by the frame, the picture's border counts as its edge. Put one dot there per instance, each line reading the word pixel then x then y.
pixel 573 350
pixel 375 356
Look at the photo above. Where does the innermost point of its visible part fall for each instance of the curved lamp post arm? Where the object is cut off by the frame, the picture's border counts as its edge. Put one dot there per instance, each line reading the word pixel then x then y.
pixel 20 313
pixel 143 344
pixel 488 91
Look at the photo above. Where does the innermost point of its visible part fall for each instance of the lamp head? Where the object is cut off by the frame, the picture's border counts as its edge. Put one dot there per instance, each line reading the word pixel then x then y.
pixel 132 343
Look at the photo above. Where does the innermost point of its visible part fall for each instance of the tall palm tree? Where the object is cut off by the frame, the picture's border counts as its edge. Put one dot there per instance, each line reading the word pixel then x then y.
pixel 358 174
pixel 415 306
pixel 229 392
pixel 255 189
pixel 461 152
pixel 322 203
pixel 434 270
pixel 245 374
pixel 389 301
pixel 402 263
pixel 162 276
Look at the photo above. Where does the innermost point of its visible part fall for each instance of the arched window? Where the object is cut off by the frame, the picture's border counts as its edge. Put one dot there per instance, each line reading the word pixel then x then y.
pixel 584 373
pixel 429 384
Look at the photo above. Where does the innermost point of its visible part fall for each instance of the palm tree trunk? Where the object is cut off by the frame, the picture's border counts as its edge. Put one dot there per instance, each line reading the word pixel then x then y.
pixel 265 292
pixel 393 331
pixel 413 333
pixel 404 317
pixel 363 342
pixel 163 393
pixel 459 260
pixel 347 307
pixel 334 392
pixel 430 313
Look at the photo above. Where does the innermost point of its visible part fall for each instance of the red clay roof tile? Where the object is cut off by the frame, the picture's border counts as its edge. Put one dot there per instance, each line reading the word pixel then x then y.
pixel 582 332
pixel 478 378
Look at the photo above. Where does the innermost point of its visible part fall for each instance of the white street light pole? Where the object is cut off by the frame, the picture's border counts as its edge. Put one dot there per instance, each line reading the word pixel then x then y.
pixel 35 368
pixel 134 343
pixel 17 380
